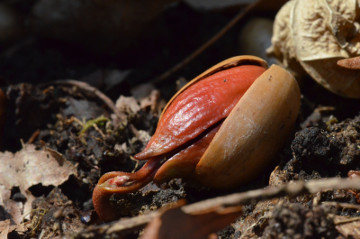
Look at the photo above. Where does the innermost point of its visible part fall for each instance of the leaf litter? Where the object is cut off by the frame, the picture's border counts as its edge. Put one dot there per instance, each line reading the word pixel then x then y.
pixel 29 167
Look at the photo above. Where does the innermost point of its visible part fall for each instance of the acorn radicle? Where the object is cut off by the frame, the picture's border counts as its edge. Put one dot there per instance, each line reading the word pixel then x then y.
pixel 221 129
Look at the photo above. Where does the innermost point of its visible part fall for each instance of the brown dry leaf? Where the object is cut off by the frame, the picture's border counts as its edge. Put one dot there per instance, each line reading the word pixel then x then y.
pixel 313 38
pixel 175 223
pixel 347 226
pixel 29 167
pixel 11 207
pixel 142 99
pixel 127 105
pixel 148 96
pixel 317 33
pixel 151 100
pixel 282 41
pixel 4 228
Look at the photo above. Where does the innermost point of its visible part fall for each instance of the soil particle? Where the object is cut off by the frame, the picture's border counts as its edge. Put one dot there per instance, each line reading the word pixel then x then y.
pixel 348 134
pixel 29 108
pixel 149 198
pixel 296 220
pixel 54 216
pixel 325 152
pixel 314 152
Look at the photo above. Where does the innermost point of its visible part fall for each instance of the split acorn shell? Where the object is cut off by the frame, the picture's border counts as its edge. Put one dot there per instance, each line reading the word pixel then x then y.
pixel 244 145
pixel 255 129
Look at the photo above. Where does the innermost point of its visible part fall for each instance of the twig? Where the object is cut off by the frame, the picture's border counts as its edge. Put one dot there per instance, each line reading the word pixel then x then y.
pixel 291 189
pixel 217 36
pixel 33 137
pixel 342 205
pixel 354 219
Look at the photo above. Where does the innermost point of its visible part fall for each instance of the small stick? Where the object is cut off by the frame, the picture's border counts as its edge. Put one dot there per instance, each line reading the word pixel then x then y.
pixel 291 189
pixel 354 219
pixel 342 205
pixel 33 137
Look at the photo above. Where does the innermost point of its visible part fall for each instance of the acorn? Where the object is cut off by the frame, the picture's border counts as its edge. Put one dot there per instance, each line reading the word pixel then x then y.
pixel 221 129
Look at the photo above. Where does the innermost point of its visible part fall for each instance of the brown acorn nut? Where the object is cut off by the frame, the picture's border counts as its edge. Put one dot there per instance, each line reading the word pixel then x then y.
pixel 249 137
pixel 240 146
pixel 253 132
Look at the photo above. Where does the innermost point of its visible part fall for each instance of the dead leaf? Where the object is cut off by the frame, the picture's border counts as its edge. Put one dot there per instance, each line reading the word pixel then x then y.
pixel 175 223
pixel 4 229
pixel 127 105
pixel 316 34
pixel 349 227
pixel 30 167
pixel 151 101
pixel 148 96
pixel 11 207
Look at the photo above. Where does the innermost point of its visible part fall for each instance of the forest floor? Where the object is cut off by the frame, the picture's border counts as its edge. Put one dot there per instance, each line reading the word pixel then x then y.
pixel 61 133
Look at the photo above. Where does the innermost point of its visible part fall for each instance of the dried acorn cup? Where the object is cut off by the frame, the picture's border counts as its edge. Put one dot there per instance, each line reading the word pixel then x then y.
pixel 221 129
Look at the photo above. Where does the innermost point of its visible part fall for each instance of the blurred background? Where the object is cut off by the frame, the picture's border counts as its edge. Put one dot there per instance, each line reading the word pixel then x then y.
pixel 117 45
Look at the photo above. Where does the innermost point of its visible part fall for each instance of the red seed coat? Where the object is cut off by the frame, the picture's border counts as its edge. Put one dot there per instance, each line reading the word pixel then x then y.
pixel 200 106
